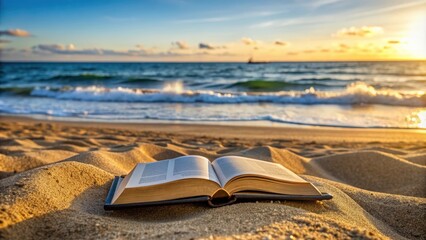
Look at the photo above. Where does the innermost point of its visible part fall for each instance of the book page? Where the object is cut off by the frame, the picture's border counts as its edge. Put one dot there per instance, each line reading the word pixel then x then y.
pixel 231 166
pixel 147 174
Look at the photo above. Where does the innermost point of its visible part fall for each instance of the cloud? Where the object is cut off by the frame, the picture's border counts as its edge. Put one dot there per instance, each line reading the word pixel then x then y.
pixel 70 49
pixel 180 45
pixel 64 49
pixel 231 17
pixel 290 22
pixel 365 31
pixel 351 13
pixel 394 42
pixel 248 41
pixel 206 20
pixel 292 53
pixel 142 48
pixel 209 46
pixel 139 51
pixel 205 46
pixel 320 3
pixel 15 33
pixel 280 43
pixel 394 8
pixel 361 48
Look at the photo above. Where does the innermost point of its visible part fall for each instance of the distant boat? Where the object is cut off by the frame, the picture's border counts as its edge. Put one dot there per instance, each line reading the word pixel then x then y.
pixel 250 61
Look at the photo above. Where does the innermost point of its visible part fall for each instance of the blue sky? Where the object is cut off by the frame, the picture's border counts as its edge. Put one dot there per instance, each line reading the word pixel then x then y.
pixel 172 30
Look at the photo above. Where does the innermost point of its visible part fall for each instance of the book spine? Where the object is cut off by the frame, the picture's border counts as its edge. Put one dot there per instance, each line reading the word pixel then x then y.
pixel 219 202
pixel 111 193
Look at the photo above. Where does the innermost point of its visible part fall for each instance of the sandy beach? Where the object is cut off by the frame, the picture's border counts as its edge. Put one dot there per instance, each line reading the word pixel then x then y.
pixel 330 94
pixel 55 175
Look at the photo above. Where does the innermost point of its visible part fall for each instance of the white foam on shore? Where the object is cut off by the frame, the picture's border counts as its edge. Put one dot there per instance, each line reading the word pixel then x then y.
pixel 356 93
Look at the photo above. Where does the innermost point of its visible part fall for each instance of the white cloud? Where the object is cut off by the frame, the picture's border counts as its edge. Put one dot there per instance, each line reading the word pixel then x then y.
pixel 15 33
pixel 70 49
pixel 320 3
pixel 365 31
pixel 140 51
pixel 180 45
pixel 248 41
pixel 231 17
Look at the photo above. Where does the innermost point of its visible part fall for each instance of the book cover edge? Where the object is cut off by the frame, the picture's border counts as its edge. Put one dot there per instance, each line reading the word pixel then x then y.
pixel 238 196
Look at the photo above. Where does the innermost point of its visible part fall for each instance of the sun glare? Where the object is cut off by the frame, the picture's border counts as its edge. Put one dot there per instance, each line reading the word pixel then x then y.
pixel 417 119
pixel 422 119
pixel 415 41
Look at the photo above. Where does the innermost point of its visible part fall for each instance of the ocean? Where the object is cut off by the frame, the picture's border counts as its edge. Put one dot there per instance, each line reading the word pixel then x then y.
pixel 335 94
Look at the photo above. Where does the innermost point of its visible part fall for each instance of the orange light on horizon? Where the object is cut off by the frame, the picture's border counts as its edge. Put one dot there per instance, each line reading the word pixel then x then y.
pixel 417 119
pixel 422 119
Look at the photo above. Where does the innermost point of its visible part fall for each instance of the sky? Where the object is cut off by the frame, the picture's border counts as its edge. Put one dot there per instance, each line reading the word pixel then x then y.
pixel 193 30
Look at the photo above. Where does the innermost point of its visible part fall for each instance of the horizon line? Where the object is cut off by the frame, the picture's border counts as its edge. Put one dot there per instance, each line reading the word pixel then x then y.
pixel 267 62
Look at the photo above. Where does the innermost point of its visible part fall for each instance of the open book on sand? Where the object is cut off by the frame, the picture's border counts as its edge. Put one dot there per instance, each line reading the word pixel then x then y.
pixel 195 179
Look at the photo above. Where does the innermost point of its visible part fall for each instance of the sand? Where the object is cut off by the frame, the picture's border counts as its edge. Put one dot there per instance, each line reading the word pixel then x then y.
pixel 54 177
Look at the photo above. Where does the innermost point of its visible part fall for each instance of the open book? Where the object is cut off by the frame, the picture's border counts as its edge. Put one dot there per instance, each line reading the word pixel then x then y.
pixel 221 182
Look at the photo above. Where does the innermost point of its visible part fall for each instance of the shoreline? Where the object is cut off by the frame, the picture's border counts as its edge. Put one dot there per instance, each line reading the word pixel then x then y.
pixel 250 123
pixel 306 133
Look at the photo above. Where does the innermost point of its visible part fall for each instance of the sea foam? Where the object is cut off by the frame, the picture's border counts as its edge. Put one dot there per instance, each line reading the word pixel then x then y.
pixel 355 93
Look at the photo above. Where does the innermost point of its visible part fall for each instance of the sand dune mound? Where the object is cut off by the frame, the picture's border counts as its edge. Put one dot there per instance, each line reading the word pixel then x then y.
pixel 121 160
pixel 18 142
pixel 401 213
pixel 417 159
pixel 160 153
pixel 386 150
pixel 22 161
pixel 376 171
pixel 262 153
pixel 42 190
pixel 288 159
pixel 197 150
pixel 70 148
pixel 247 220
pixel 13 164
pixel 115 162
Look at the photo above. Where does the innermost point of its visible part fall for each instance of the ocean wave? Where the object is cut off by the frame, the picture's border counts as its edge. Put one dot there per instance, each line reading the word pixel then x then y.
pixel 16 90
pixel 397 74
pixel 265 85
pixel 355 93
pixel 87 68
pixel 142 80
pixel 83 76
pixel 301 72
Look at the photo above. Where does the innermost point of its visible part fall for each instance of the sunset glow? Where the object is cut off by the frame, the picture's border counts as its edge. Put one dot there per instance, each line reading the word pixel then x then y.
pixel 205 31
pixel 415 41
pixel 421 119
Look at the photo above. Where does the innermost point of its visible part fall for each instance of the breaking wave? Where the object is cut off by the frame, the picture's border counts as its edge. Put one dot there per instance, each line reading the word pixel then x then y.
pixel 355 93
